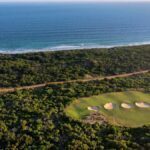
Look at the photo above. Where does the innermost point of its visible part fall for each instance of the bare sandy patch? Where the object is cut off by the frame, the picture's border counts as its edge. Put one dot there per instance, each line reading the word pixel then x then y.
pixel 109 106
pixel 93 108
pixel 142 105
pixel 126 106
pixel 95 117
pixel 87 76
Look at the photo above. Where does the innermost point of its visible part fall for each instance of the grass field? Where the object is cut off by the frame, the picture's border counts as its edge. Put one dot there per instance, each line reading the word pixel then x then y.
pixel 119 116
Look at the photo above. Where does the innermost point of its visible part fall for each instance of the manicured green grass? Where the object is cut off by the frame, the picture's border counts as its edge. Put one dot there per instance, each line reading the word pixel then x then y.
pixel 120 116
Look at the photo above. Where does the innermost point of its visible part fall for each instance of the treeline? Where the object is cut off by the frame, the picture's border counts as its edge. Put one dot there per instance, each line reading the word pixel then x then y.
pixel 33 68
pixel 35 119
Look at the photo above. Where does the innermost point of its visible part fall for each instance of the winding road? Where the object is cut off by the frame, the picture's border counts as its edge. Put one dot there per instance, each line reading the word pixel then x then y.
pixel 7 90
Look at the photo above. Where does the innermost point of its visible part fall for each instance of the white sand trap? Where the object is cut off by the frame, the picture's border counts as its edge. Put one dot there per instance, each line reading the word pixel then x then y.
pixel 142 105
pixel 126 106
pixel 93 108
pixel 109 106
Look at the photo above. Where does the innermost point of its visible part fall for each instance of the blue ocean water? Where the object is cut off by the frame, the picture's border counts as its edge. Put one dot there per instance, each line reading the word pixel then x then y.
pixel 53 26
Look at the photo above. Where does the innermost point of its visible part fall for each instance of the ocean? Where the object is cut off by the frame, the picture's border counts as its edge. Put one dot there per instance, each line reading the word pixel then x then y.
pixel 29 27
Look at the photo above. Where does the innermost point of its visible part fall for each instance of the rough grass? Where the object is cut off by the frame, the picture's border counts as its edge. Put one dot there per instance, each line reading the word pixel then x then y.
pixel 119 116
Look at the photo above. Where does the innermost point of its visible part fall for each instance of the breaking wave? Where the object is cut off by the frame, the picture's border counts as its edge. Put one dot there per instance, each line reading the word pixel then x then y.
pixel 68 47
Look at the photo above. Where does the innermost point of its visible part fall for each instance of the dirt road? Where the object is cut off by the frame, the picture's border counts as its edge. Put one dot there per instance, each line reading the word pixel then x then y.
pixel 6 90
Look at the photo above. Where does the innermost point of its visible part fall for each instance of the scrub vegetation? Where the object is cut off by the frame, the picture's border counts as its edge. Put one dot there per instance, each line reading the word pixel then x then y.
pixel 36 119
pixel 35 68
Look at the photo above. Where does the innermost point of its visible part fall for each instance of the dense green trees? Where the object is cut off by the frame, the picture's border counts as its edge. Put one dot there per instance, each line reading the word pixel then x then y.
pixel 32 68
pixel 35 119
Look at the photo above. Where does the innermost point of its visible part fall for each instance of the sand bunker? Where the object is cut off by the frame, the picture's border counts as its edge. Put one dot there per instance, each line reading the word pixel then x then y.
pixel 142 105
pixel 93 108
pixel 125 105
pixel 109 106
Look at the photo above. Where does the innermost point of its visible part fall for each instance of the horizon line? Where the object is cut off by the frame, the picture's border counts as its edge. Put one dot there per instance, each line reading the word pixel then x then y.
pixel 76 1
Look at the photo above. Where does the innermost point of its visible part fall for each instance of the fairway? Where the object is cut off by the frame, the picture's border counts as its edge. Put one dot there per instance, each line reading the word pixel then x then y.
pixel 132 117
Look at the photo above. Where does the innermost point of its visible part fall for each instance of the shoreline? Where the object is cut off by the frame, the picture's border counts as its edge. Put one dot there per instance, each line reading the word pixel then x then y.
pixel 69 48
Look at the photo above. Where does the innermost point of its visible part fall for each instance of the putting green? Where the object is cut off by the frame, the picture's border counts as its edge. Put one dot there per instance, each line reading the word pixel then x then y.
pixel 119 116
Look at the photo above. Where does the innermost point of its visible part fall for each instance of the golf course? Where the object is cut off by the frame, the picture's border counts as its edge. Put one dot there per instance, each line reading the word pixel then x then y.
pixel 129 108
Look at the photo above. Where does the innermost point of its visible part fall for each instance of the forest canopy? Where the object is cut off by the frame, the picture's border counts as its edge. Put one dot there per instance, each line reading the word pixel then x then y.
pixel 34 68
pixel 35 119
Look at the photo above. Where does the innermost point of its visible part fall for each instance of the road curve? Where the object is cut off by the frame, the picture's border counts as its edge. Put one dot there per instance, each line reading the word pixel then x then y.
pixel 7 90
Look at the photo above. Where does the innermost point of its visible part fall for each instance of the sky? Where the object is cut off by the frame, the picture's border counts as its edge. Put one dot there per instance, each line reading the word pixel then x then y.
pixel 74 0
